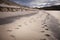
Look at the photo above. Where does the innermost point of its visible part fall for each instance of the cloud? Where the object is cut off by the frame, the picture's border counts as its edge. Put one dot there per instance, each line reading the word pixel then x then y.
pixel 43 3
pixel 37 3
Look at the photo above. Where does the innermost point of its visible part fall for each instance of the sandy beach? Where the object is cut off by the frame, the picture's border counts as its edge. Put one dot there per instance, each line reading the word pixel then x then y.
pixel 42 25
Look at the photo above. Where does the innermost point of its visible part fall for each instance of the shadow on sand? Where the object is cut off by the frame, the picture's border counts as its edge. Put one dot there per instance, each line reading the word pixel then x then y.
pixel 54 26
pixel 13 18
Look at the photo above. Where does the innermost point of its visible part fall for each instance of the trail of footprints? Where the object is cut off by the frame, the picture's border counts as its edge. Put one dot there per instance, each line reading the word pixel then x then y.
pixel 45 27
pixel 10 30
pixel 43 31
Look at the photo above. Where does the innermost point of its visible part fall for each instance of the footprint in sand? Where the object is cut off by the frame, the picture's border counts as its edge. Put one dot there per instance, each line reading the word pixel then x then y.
pixel 9 30
pixel 19 25
pixel 25 23
pixel 13 37
pixel 47 35
pixel 42 31
pixel 45 25
pixel 46 29
pixel 16 28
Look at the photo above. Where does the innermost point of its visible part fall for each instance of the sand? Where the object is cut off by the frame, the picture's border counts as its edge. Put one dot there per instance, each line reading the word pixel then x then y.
pixel 31 27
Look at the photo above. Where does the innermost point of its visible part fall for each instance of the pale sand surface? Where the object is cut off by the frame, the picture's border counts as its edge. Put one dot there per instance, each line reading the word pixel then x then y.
pixel 33 27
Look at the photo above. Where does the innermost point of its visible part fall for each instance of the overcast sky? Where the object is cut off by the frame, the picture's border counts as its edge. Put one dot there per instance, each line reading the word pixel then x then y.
pixel 37 3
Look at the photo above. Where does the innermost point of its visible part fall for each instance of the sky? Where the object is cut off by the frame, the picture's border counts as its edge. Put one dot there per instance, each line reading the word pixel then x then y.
pixel 37 3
